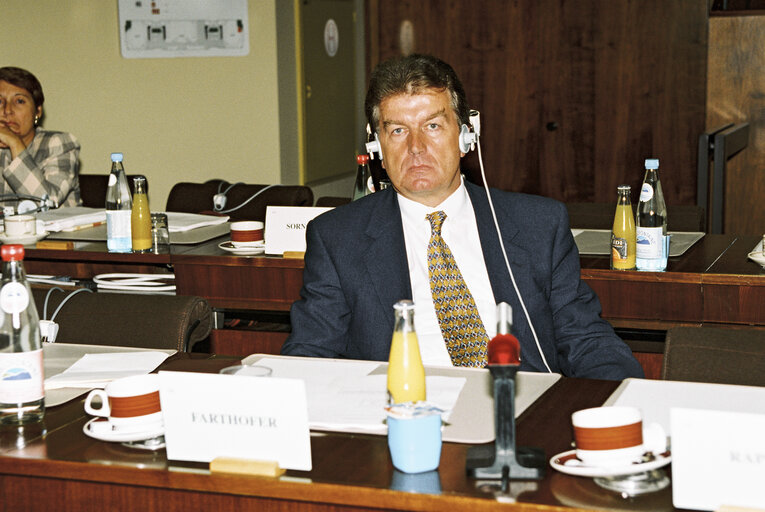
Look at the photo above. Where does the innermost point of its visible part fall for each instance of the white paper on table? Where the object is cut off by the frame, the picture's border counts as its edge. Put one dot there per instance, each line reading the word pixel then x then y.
pixel 97 370
pixel 344 396
pixel 178 222
pixel 471 418
pixel 69 217
pixel 657 397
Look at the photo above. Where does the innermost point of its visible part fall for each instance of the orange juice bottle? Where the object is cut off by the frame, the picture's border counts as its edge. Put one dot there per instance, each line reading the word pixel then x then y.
pixel 623 242
pixel 140 219
pixel 406 375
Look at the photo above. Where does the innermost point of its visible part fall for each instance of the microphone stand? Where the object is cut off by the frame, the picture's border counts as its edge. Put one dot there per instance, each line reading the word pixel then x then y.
pixel 502 460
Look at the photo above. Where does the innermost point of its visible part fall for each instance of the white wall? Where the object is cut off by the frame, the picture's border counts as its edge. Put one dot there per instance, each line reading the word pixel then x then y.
pixel 181 119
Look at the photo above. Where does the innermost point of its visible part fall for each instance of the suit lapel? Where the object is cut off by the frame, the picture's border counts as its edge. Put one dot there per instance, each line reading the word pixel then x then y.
pixel 492 252
pixel 385 258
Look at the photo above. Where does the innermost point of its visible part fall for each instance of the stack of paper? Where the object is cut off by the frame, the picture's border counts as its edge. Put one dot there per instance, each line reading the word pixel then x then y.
pixel 179 222
pixel 73 217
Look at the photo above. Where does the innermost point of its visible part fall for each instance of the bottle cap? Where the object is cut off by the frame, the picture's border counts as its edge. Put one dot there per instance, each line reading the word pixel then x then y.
pixel 362 159
pixel 651 163
pixel 621 188
pixel 116 157
pixel 12 252
pixel 403 305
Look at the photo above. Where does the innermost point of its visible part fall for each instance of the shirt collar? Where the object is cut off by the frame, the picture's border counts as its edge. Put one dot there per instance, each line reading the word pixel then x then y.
pixel 412 211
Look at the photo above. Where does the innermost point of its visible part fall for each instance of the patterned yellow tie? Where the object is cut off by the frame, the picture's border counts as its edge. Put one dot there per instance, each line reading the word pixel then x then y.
pixel 458 318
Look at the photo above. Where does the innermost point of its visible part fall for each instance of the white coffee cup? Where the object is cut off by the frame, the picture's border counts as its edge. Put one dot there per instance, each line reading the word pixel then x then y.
pixel 615 436
pixel 20 225
pixel 246 233
pixel 131 404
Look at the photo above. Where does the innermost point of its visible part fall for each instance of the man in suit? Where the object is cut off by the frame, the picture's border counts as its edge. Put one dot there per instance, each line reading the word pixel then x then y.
pixel 364 257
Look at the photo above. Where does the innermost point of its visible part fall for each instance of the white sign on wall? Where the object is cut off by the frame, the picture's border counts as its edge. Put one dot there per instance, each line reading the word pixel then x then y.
pixel 183 28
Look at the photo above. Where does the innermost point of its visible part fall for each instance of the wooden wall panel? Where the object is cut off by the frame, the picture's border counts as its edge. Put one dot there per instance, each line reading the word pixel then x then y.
pixel 573 94
pixel 736 94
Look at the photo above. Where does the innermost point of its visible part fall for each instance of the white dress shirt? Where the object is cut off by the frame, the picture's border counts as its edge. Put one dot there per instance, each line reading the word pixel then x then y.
pixel 460 232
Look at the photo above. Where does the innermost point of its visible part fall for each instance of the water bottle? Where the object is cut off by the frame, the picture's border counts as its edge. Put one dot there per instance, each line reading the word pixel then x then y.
pixel 118 209
pixel 364 184
pixel 140 217
pixel 623 232
pixel 651 222
pixel 22 397
pixel 406 375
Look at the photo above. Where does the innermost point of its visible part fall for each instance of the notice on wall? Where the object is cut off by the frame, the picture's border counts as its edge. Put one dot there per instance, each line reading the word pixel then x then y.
pixel 183 28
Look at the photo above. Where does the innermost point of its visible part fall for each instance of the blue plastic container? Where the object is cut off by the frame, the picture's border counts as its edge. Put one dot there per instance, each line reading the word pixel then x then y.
pixel 415 443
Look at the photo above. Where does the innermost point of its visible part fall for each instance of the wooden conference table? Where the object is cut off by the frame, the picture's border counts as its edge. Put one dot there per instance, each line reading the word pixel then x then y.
pixel 713 282
pixel 67 471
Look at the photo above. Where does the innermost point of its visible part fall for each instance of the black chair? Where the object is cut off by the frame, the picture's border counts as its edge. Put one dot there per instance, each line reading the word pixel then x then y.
pixel 127 320
pixel 199 198
pixel 93 188
pixel 714 354
pixel 332 201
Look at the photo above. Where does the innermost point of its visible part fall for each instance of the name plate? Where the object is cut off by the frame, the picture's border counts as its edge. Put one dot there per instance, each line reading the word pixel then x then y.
pixel 718 458
pixel 258 418
pixel 285 227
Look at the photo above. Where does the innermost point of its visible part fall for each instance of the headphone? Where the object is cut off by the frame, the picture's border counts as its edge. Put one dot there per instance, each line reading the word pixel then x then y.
pixel 219 199
pixel 467 141
pixel 28 203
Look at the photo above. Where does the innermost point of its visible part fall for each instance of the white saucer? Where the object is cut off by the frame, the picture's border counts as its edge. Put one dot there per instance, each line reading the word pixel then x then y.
pixel 23 240
pixel 242 251
pixel 115 436
pixel 567 462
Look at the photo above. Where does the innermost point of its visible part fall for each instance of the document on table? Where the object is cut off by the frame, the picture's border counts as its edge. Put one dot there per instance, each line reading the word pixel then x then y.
pixel 72 369
pixel 598 241
pixel 656 397
pixel 178 222
pixel 350 396
pixel 70 217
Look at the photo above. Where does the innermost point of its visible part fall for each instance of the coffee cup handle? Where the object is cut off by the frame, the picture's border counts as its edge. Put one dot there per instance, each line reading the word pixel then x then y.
pixel 104 410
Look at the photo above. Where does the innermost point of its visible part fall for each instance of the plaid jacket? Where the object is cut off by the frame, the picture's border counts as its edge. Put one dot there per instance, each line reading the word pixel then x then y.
pixel 49 165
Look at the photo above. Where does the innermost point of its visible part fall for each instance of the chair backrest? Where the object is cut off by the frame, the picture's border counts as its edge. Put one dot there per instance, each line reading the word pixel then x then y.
pixel 93 188
pixel 332 201
pixel 714 354
pixel 128 320
pixel 198 198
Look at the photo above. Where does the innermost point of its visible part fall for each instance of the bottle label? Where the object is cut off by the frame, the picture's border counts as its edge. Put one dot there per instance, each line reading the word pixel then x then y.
pixel 618 248
pixel 370 186
pixel 649 243
pixel 118 232
pixel 112 180
pixel 646 192
pixel 14 298
pixel 21 377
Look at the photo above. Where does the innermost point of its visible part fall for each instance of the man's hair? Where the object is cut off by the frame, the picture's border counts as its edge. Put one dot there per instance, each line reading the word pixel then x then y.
pixel 412 75
pixel 26 80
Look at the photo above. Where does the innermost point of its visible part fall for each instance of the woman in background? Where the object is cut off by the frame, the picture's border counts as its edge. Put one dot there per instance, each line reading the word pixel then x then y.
pixel 34 162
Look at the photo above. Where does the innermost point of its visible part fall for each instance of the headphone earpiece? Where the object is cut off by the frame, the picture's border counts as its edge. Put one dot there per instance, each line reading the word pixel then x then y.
pixel 219 201
pixel 467 139
pixel 373 146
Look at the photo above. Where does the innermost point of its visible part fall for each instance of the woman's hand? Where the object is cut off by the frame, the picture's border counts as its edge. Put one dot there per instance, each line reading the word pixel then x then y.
pixel 9 139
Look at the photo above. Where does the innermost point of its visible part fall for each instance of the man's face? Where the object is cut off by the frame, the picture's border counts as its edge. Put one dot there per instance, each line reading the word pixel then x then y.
pixel 419 136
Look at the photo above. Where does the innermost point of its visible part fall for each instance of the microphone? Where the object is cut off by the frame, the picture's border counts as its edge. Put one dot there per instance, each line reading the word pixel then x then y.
pixel 503 461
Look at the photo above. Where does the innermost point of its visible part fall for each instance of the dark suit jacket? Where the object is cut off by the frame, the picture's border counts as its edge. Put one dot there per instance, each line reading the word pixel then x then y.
pixel 356 269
